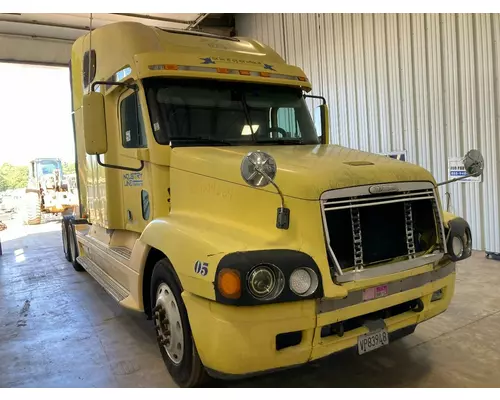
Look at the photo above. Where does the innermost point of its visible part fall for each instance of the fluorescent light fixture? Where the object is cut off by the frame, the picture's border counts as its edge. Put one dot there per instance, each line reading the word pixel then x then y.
pixel 246 131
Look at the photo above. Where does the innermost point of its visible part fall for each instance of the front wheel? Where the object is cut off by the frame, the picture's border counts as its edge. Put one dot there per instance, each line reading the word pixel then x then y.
pixel 173 332
pixel 33 208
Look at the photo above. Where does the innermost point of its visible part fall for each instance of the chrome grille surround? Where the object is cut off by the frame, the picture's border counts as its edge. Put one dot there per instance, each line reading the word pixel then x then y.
pixel 354 198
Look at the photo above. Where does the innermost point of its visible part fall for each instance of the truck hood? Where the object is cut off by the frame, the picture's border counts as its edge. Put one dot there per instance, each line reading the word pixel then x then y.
pixel 304 171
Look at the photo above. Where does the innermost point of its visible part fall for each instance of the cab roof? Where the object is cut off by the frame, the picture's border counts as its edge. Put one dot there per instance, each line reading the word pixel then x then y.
pixel 136 46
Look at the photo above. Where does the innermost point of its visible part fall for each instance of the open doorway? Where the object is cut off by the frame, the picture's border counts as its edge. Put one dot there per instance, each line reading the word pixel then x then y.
pixel 36 145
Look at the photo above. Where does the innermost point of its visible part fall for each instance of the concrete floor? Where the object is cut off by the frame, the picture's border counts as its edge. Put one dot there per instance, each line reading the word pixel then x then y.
pixel 58 328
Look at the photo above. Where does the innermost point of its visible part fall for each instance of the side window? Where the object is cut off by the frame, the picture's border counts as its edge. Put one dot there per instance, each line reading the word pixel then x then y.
pixel 288 121
pixel 132 124
pixel 89 67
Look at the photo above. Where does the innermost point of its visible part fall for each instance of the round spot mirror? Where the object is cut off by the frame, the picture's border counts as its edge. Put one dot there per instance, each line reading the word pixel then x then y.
pixel 258 168
pixel 474 163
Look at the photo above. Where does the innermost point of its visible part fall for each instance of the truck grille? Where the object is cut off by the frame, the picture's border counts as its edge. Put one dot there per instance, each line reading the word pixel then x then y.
pixel 364 229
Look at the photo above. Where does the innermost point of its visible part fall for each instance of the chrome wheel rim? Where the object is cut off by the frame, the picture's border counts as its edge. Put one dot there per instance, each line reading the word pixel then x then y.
pixel 169 324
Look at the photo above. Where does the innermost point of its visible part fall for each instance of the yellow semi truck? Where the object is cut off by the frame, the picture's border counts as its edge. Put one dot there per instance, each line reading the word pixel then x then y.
pixel 210 202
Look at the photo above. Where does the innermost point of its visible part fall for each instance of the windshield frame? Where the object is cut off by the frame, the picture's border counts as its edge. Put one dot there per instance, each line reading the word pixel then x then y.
pixel 305 129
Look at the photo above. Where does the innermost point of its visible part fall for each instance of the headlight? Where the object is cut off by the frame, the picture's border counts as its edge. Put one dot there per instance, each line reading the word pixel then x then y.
pixel 266 277
pixel 265 282
pixel 303 281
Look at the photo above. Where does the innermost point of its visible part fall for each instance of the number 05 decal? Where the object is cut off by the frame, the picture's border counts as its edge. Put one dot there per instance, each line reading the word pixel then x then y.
pixel 201 268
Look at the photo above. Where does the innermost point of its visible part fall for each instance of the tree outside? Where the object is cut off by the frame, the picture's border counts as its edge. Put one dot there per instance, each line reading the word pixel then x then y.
pixel 16 177
pixel 13 177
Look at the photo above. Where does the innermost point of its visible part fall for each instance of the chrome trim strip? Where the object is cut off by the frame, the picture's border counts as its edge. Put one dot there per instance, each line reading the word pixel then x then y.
pixel 441 218
pixel 387 269
pixel 338 270
pixel 376 203
pixel 365 189
pixel 404 195
pixel 394 287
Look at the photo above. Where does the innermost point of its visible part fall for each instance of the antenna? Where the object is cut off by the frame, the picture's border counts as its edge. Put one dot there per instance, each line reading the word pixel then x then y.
pixel 90 49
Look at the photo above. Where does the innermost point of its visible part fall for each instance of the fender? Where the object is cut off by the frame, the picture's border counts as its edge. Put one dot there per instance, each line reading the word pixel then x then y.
pixel 454 223
pixel 195 245
pixel 447 217
pixel 457 226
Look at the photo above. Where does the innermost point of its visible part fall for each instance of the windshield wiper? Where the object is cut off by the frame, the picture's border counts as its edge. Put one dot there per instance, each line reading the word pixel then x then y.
pixel 247 114
pixel 281 141
pixel 200 139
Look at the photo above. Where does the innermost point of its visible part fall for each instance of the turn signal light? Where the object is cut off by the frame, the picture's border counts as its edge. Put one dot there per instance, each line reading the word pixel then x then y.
pixel 171 67
pixel 244 72
pixel 229 283
pixel 222 70
pixel 265 74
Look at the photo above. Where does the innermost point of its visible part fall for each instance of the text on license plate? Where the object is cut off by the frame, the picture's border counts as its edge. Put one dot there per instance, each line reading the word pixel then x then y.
pixel 372 341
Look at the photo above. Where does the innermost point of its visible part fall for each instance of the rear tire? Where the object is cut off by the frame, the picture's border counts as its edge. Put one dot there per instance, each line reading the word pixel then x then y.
pixel 33 209
pixel 173 332
pixel 73 248
pixel 65 238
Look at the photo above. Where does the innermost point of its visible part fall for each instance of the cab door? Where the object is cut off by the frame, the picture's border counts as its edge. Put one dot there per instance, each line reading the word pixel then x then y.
pixel 136 185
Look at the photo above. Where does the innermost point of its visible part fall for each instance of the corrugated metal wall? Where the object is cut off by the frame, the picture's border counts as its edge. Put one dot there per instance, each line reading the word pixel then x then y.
pixel 424 83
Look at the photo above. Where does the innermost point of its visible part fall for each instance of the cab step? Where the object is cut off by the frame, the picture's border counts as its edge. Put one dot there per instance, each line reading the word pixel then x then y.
pixel 117 291
pixel 123 252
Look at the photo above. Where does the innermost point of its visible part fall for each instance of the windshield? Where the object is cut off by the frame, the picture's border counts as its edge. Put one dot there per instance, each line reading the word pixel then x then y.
pixel 194 112
pixel 47 167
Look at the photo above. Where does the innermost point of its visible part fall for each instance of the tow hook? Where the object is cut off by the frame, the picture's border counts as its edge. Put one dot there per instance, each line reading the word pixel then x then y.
pixel 419 306
pixel 333 329
pixel 338 329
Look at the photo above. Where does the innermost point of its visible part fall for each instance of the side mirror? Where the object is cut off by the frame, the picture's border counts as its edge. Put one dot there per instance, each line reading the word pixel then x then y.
pixel 322 118
pixel 94 124
pixel 473 164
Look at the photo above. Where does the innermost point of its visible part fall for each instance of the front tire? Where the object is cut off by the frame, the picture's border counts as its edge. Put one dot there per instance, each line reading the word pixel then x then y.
pixel 173 332
pixel 33 209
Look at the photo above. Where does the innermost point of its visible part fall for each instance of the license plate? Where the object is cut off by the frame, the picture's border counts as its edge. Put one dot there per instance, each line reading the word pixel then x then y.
pixel 372 341
pixel 375 292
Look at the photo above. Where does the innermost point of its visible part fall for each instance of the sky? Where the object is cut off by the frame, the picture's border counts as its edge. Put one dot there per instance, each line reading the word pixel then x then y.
pixel 35 114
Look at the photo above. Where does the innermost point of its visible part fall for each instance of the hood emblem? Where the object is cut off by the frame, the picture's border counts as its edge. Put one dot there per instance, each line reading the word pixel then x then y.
pixel 383 189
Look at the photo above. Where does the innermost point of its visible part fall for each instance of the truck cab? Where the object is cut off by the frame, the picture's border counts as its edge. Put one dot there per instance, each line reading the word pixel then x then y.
pixel 212 201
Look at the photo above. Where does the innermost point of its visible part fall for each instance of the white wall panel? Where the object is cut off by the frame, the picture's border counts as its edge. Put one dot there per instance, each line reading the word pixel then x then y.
pixel 424 83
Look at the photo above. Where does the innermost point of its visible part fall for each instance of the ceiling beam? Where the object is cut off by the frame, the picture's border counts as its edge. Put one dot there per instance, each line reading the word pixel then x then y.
pixel 35 63
pixel 51 24
pixel 36 37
